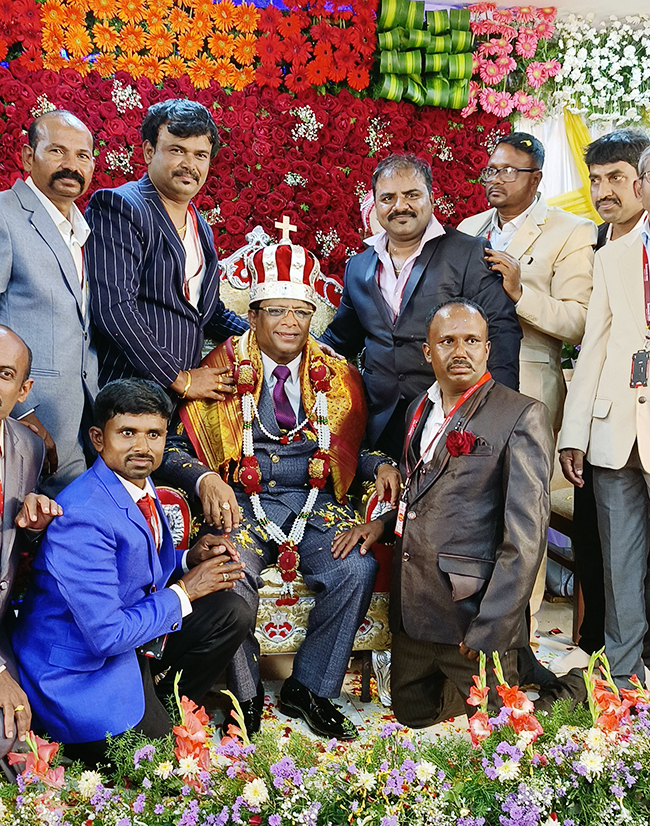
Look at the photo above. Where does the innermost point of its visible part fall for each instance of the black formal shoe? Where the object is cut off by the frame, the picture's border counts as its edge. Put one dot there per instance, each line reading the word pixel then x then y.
pixel 252 711
pixel 569 687
pixel 320 714
pixel 532 672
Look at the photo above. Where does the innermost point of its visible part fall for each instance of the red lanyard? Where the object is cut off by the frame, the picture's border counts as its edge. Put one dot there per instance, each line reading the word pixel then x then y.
pixel 197 242
pixel 646 292
pixel 418 415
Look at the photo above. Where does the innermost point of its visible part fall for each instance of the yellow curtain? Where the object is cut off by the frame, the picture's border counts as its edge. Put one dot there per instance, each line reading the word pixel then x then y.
pixel 578 201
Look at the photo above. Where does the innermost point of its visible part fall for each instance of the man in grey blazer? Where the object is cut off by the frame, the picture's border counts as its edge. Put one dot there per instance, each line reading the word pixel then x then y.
pixel 43 287
pixel 21 458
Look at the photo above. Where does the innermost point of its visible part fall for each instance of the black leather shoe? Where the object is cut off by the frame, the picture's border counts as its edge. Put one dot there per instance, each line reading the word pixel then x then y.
pixel 532 672
pixel 252 711
pixel 569 687
pixel 320 714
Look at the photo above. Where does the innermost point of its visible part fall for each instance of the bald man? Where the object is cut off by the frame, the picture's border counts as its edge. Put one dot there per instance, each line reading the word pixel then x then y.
pixel 43 288
pixel 21 457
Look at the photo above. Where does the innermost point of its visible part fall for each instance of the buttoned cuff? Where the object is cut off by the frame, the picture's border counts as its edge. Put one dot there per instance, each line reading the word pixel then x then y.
pixel 186 605
pixel 184 564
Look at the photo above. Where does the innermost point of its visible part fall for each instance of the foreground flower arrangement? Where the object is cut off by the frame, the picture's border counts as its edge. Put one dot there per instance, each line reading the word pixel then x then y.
pixel 575 768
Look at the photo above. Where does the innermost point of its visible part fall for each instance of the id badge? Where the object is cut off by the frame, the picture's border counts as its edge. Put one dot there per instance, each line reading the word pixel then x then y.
pixel 639 377
pixel 401 513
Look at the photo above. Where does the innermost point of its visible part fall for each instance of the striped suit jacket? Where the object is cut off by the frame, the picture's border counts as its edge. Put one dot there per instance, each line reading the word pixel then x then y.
pixel 136 269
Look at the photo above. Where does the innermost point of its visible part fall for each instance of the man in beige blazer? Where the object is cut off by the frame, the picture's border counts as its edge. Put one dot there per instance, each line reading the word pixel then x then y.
pixel 609 420
pixel 545 256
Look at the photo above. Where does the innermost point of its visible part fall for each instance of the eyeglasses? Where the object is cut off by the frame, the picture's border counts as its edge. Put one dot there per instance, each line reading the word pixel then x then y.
pixel 506 174
pixel 645 176
pixel 281 312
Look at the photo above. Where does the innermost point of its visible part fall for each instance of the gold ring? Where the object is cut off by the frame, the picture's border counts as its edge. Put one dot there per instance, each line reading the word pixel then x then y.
pixel 225 577
pixel 225 506
pixel 21 707
pixel 218 385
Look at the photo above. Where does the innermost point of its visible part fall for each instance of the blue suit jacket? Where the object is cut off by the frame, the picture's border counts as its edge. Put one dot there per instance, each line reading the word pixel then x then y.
pixel 88 608
pixel 449 266
pixel 136 270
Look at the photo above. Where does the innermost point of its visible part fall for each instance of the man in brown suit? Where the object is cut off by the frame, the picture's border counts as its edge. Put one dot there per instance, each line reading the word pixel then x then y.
pixel 471 527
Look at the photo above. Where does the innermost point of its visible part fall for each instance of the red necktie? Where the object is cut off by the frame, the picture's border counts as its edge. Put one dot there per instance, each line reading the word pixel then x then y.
pixel 2 502
pixel 148 509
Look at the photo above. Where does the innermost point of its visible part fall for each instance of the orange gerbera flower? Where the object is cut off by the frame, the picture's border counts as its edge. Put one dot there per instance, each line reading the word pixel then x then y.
pixel 221 44
pixel 189 45
pixel 103 9
pixel 52 41
pixel 105 65
pixel 82 5
pixel 224 16
pixel 80 66
pixel 200 72
pixel 202 25
pixel 159 43
pixel 130 11
pixel 53 13
pixel 77 41
pixel 246 49
pixel 132 38
pixel 245 77
pixel 155 18
pixel 224 72
pixel 174 66
pixel 54 62
pixel 129 63
pixel 246 17
pixel 74 16
pixel 179 21
pixel 105 37
pixel 152 68
pixel 203 7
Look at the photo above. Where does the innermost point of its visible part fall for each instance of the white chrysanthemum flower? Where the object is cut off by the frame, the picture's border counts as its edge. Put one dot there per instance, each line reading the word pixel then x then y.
pixel 255 792
pixel 593 762
pixel 508 770
pixel 164 770
pixel 366 780
pixel 88 783
pixel 425 771
pixel 595 739
pixel 188 766
pixel 3 810
pixel 219 761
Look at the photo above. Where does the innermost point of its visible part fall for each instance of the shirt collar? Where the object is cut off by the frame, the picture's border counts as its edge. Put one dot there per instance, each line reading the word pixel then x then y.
pixel 2 437
pixel 645 230
pixel 516 222
pixel 433 229
pixel 269 366
pixel 134 491
pixel 435 394
pixel 76 224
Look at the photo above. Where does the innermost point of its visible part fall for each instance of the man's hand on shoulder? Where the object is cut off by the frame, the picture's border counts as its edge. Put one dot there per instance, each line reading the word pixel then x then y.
pixel 216 383
pixel 330 351
pixel 15 705
pixel 388 483
pixel 219 503
pixel 509 269
pixel 571 461
pixel 37 512
pixel 367 534
pixel 51 463
pixel 214 566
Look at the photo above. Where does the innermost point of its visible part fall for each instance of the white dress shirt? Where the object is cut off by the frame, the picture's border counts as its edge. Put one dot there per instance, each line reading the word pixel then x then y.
pixel 500 236
pixel 433 423
pixel 74 231
pixel 136 494
pixel 194 259
pixel 391 284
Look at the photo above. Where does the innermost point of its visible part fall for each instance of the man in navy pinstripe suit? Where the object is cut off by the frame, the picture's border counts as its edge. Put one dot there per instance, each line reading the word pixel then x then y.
pixel 152 264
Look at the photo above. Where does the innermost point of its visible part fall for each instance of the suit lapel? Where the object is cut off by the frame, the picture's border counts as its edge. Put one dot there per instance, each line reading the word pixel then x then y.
pixel 526 235
pixel 48 231
pixel 210 284
pixel 418 268
pixel 13 489
pixel 631 276
pixel 373 288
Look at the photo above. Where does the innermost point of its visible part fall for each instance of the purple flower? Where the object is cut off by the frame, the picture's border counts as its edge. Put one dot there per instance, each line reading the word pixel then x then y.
pixel 390 729
pixel 138 804
pixel 190 815
pixel 389 820
pixel 275 820
pixel 470 821
pixel 186 791
pixel 158 809
pixel 286 774
pixel 512 751
pixel 124 821
pixel 145 753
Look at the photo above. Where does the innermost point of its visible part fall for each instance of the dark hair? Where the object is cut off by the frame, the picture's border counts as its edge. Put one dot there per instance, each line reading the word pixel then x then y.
pixel 643 160
pixel 526 143
pixel 183 118
pixel 130 396
pixel 622 145
pixel 28 369
pixel 398 163
pixel 35 133
pixel 460 302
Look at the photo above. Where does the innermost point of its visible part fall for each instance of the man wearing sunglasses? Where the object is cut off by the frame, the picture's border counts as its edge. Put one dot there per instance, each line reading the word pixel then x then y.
pixel 545 256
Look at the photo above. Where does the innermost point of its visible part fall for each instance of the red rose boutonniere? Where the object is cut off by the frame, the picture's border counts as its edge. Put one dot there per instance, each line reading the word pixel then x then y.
pixel 460 442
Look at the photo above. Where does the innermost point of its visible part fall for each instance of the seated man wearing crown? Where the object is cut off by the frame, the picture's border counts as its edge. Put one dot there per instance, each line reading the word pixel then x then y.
pixel 272 465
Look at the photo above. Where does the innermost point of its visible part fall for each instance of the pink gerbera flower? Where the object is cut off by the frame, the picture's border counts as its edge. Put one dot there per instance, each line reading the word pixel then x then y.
pixel 503 104
pixel 545 29
pixel 490 73
pixel 506 63
pixel 522 101
pixel 503 16
pixel 525 14
pixel 536 74
pixel 487 99
pixel 536 110
pixel 526 44
pixel 548 13
pixel 552 67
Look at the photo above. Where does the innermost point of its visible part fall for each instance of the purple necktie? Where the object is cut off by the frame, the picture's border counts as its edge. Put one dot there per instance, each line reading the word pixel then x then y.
pixel 283 411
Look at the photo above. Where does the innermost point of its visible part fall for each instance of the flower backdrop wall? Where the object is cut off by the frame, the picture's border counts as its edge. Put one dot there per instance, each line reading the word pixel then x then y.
pixel 309 156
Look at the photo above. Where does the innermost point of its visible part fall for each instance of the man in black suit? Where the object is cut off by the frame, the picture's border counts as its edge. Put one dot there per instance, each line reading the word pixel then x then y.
pixel 152 264
pixel 613 161
pixel 390 288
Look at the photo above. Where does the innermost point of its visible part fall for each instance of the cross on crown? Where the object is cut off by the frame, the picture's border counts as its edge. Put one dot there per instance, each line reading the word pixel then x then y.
pixel 286 226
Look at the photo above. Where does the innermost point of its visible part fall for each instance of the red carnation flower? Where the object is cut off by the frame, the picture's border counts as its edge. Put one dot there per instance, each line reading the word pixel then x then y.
pixel 460 442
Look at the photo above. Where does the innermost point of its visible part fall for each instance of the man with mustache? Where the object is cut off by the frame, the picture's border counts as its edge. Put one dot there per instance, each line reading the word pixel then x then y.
pixel 153 268
pixel 612 161
pixel 44 288
pixel 470 527
pixel 114 611
pixel 389 289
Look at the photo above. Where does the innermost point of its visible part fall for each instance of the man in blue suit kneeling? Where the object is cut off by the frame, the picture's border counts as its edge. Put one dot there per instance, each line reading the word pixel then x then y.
pixel 115 611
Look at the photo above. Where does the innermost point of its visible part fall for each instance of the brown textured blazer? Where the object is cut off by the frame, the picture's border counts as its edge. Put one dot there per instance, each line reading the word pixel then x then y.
pixel 475 528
